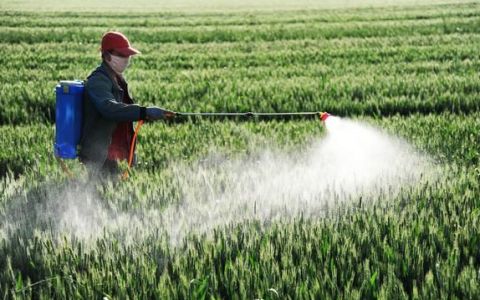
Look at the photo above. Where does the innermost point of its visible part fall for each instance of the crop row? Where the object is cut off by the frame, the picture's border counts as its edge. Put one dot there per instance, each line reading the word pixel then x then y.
pixel 244 33
pixel 339 53
pixel 45 19
pixel 345 95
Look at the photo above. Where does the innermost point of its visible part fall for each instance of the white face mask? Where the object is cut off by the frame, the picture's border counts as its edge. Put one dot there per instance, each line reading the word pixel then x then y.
pixel 119 63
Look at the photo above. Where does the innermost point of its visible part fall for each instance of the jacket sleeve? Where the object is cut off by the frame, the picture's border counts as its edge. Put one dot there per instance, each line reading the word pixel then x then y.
pixel 99 89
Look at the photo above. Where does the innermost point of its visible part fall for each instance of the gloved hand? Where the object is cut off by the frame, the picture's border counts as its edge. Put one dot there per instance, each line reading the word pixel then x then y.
pixel 156 113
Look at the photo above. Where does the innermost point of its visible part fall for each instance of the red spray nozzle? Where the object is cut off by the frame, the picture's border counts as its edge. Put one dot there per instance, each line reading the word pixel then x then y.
pixel 324 116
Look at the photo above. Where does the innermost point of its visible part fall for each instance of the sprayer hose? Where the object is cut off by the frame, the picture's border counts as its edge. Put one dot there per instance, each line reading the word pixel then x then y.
pixel 132 148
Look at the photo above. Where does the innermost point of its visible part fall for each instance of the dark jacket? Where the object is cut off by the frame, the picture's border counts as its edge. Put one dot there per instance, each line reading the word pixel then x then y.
pixel 103 109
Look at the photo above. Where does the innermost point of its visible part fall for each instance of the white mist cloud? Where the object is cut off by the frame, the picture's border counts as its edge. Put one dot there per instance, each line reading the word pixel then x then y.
pixel 353 160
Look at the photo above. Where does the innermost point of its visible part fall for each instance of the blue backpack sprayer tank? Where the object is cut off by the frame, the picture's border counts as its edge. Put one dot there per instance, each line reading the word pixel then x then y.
pixel 69 123
pixel 68 119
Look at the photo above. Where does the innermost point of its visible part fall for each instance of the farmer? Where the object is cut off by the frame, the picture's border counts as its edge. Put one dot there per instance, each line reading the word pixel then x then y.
pixel 109 110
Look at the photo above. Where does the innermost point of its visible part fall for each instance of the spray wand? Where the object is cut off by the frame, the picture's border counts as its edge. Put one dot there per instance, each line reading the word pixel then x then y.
pixel 322 115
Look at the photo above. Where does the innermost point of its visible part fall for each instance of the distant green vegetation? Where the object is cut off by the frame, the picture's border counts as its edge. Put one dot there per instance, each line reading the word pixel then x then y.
pixel 202 6
pixel 346 62
pixel 412 71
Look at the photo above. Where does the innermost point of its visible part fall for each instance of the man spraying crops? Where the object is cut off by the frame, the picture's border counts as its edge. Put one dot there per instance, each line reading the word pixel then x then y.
pixel 109 110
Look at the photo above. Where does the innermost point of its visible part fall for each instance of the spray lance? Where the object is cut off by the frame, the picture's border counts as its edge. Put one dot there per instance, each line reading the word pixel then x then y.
pixel 322 115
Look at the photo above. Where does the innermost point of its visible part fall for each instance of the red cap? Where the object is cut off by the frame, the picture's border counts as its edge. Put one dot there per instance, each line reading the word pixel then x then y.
pixel 113 40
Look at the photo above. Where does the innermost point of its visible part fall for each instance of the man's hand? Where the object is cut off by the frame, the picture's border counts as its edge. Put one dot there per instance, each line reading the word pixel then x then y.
pixel 156 113
pixel 168 115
